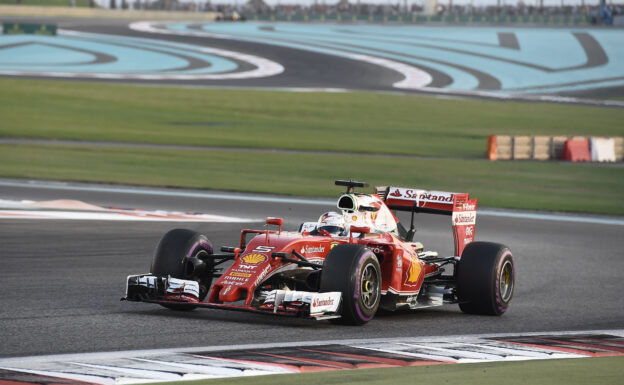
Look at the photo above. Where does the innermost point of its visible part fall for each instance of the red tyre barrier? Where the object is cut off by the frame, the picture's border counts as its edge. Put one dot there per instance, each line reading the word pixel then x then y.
pixel 577 150
pixel 491 151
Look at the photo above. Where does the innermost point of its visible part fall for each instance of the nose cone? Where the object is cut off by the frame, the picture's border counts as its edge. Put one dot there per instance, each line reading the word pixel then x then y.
pixel 229 294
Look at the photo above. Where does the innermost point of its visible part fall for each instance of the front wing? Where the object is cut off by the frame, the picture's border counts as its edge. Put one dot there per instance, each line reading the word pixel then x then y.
pixel 166 290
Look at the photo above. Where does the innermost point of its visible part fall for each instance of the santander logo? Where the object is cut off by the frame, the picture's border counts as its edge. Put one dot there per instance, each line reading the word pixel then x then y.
pixel 323 302
pixel 461 218
pixel 422 195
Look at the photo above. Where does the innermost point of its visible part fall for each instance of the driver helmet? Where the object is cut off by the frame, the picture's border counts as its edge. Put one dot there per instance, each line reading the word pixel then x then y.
pixel 332 222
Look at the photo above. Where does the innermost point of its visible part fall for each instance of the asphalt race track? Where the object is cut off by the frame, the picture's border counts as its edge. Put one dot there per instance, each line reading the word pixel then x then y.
pixel 61 280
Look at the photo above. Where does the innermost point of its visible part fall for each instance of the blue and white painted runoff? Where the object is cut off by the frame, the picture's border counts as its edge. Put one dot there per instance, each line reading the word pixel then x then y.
pixel 502 60
pixel 87 55
pixel 495 62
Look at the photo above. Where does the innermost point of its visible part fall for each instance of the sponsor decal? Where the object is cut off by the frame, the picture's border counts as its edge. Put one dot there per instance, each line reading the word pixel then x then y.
pixel 464 218
pixel 413 273
pixel 412 301
pixel 312 249
pixel 399 262
pixel 467 241
pixel 262 275
pixel 333 244
pixel 237 274
pixel 323 302
pixel 235 278
pixel 254 259
pixel 233 283
pixel 422 195
pixel 245 267
pixel 308 226
pixel 468 207
pixel 469 231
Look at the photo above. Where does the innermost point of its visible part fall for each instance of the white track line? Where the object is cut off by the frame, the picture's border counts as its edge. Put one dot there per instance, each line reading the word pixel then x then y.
pixel 616 221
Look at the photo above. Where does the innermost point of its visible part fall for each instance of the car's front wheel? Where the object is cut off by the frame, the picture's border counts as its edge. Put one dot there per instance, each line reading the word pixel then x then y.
pixel 354 271
pixel 179 254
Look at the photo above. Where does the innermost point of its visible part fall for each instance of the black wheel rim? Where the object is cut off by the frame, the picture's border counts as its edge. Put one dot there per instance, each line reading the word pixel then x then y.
pixel 506 281
pixel 203 285
pixel 369 286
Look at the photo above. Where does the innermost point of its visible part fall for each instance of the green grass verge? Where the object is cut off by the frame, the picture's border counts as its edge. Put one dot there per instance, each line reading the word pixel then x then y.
pixel 456 130
pixel 360 122
pixel 51 3
pixel 542 186
pixel 583 371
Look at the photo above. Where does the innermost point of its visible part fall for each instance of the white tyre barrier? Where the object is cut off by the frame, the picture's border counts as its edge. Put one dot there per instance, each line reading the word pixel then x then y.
pixel 602 149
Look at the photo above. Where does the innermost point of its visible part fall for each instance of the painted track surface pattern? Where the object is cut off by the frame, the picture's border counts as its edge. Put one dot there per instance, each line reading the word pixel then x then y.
pixel 503 59
pixel 480 61
pixel 303 69
pixel 66 278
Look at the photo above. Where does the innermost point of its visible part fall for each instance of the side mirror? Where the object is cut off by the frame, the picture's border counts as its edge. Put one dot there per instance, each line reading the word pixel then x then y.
pixel 358 229
pixel 275 221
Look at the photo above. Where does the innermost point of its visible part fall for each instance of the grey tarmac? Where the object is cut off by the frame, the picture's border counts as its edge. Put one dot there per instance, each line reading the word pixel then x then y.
pixel 61 280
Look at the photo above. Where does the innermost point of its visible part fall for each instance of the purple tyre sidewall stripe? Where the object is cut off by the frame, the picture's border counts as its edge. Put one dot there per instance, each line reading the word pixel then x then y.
pixel 358 284
pixel 498 298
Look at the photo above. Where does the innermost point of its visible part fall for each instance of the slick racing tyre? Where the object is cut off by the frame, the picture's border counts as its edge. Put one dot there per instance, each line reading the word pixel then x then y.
pixel 485 278
pixel 181 254
pixel 354 271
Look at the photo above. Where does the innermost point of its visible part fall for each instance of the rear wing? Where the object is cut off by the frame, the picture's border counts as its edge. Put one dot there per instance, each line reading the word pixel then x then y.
pixel 459 206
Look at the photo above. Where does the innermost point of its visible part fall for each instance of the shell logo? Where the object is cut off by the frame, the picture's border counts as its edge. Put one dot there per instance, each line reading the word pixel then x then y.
pixel 254 259
pixel 413 273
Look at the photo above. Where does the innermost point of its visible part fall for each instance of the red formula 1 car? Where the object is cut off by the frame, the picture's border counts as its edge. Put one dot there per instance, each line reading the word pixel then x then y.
pixel 344 267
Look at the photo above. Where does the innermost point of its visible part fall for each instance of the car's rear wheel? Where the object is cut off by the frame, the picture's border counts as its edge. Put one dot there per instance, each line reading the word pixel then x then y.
pixel 354 271
pixel 485 278
pixel 180 254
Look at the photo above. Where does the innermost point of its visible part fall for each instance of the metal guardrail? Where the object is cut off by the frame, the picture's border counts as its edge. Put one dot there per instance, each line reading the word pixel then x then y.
pixel 421 19
pixel 30 29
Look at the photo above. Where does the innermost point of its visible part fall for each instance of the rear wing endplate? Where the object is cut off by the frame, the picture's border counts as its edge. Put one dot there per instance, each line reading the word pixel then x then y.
pixel 459 206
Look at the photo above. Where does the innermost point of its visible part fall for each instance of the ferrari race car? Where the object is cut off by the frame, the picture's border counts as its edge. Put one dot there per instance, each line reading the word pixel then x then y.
pixel 344 267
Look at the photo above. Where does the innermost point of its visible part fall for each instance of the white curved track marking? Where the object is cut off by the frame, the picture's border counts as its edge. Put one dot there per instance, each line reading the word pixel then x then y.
pixel 148 26
pixel 414 78
pixel 263 68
